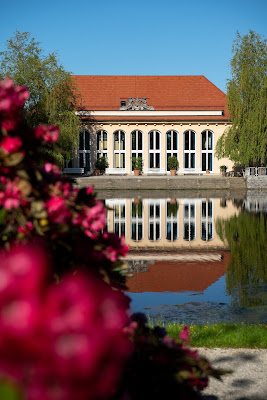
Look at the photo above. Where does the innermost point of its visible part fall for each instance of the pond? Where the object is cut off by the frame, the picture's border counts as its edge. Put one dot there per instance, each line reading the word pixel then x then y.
pixel 195 260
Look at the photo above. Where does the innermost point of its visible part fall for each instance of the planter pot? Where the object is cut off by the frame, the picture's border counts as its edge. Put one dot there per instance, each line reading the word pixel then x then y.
pixel 173 172
pixel 136 172
pixel 96 172
pixel 207 171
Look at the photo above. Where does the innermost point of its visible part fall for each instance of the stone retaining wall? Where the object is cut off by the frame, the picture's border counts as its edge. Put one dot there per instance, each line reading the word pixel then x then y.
pixel 256 182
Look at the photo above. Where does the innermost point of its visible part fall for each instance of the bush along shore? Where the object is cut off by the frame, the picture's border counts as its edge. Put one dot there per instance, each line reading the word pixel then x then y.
pixel 224 335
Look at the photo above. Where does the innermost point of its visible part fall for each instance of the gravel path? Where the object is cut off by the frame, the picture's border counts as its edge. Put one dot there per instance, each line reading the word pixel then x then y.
pixel 247 382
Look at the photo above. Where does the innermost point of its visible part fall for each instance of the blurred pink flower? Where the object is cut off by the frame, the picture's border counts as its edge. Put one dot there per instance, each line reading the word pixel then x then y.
pixel 184 334
pixel 10 197
pixel 57 210
pixel 12 99
pixel 61 341
pixel 48 167
pixel 48 133
pixel 11 144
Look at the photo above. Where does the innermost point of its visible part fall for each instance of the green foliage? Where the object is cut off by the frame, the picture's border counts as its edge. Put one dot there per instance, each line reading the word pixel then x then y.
pixel 137 163
pixel 173 163
pixel 246 140
pixel 53 95
pixel 223 167
pixel 9 391
pixel 246 236
pixel 101 163
pixel 223 335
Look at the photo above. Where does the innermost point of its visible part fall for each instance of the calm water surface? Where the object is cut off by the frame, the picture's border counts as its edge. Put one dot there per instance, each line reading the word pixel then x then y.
pixel 195 260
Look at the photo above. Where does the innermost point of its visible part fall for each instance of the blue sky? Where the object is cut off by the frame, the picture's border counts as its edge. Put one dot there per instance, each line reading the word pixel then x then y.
pixel 137 37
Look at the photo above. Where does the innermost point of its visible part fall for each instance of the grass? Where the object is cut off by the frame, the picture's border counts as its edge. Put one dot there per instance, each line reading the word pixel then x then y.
pixel 221 334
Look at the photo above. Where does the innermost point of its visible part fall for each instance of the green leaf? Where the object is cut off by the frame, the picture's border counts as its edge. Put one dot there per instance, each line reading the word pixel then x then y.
pixel 9 391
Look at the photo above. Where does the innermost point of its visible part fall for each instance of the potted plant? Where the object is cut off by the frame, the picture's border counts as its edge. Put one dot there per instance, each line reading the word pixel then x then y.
pixel 137 164
pixel 223 169
pixel 100 165
pixel 173 164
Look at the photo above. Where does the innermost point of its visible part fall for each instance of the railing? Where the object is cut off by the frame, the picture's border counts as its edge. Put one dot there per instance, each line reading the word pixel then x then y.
pixel 255 171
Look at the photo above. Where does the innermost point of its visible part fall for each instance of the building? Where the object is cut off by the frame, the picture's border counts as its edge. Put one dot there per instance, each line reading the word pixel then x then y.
pixel 152 117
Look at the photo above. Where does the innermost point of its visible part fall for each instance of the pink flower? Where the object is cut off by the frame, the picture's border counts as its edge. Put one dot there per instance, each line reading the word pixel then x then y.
pixel 184 334
pixel 48 167
pixel 49 133
pixel 58 212
pixel 26 229
pixel 12 98
pixel 11 144
pixel 63 341
pixel 10 197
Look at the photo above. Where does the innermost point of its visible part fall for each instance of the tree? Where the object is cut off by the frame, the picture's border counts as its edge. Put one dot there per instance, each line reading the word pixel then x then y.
pixel 54 96
pixel 246 140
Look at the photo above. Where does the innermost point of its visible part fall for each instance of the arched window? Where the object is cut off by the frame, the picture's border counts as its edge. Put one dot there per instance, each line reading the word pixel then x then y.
pixel 206 220
pixel 189 149
pixel 172 219
pixel 137 220
pixel 137 144
pixel 154 149
pixel 84 149
pixel 102 144
pixel 119 149
pixel 172 145
pixel 189 221
pixel 154 217
pixel 207 150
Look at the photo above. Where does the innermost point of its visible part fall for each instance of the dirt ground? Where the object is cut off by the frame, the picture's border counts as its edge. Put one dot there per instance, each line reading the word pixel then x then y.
pixel 247 382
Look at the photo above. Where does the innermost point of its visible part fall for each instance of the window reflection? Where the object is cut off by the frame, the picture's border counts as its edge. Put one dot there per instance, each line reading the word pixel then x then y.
pixel 206 220
pixel 189 221
pixel 137 220
pixel 154 220
pixel 172 219
pixel 119 217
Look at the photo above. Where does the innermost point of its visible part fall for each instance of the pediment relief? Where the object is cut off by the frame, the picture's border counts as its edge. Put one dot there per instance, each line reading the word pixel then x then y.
pixel 137 105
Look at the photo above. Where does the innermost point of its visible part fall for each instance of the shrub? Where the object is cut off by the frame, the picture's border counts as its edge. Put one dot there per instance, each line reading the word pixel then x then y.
pixel 137 163
pixel 101 163
pixel 173 163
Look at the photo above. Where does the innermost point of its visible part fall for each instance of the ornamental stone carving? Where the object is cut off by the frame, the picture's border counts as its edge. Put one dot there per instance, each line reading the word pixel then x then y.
pixel 136 266
pixel 137 105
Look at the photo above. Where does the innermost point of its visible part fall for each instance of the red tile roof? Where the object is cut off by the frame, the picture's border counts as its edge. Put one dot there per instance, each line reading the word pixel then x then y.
pixel 177 276
pixel 162 92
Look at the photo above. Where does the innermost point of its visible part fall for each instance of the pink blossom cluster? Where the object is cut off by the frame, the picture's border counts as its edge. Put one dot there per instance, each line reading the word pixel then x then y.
pixel 10 196
pixel 59 341
pixel 91 219
pixel 49 134
pixel 12 99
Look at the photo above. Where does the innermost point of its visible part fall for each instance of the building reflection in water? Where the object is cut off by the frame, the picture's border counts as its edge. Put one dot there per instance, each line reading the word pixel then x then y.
pixel 168 223
pixel 161 231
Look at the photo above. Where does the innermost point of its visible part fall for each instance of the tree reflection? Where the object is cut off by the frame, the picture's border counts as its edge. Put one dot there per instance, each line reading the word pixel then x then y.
pixel 246 236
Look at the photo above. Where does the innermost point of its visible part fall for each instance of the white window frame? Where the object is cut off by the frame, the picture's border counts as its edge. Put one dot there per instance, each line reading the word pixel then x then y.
pixel 171 152
pixel 101 152
pixel 119 151
pixel 154 151
pixel 207 151
pixel 190 151
pixel 82 152
pixel 137 152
